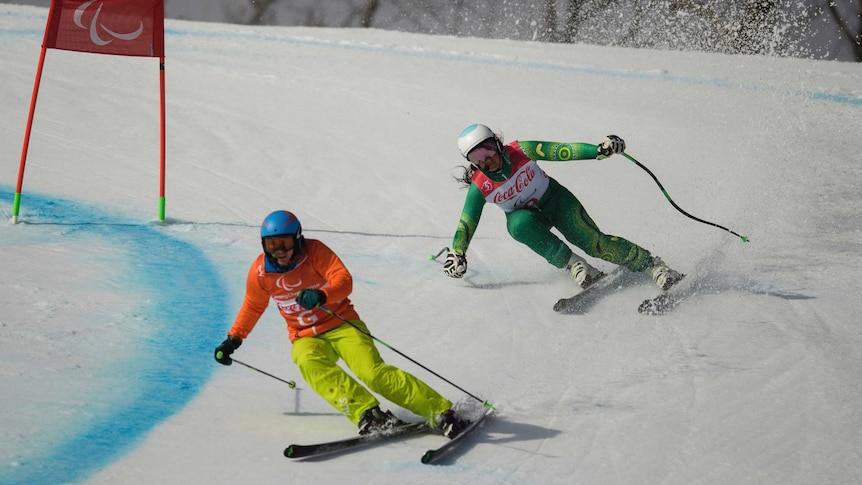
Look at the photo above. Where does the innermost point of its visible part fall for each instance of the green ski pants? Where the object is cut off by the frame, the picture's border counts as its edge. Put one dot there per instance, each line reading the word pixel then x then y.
pixel 560 209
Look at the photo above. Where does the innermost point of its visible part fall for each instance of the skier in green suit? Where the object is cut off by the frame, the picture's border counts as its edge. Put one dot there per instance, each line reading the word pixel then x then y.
pixel 508 176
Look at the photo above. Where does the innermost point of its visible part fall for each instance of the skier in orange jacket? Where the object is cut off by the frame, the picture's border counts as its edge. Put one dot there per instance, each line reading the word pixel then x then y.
pixel 300 275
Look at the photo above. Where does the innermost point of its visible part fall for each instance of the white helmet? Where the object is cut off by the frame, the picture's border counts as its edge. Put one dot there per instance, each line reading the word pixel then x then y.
pixel 472 136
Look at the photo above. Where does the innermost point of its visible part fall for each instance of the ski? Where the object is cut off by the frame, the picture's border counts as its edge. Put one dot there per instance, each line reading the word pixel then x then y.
pixel 617 279
pixel 660 305
pixel 434 455
pixel 665 302
pixel 320 449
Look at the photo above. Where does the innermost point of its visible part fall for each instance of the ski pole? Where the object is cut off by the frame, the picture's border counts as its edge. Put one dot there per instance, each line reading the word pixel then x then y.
pixel 290 384
pixel 744 238
pixel 366 332
pixel 433 257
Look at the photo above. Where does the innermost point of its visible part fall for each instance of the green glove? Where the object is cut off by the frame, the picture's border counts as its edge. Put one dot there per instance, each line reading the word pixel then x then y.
pixel 309 299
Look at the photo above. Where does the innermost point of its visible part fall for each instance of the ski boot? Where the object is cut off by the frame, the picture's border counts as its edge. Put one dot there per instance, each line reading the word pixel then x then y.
pixel 582 273
pixel 450 424
pixel 374 421
pixel 662 275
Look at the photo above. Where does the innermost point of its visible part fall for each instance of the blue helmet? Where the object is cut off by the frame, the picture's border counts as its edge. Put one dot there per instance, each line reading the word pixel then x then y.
pixel 281 223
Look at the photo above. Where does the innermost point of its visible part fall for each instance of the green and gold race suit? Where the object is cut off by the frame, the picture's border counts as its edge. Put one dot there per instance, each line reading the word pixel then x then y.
pixel 535 202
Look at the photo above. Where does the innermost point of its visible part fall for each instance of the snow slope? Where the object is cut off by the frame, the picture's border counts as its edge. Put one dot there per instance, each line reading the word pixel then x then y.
pixel 108 317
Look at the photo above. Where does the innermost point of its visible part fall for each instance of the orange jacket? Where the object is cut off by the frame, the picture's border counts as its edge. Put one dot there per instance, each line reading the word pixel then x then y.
pixel 318 267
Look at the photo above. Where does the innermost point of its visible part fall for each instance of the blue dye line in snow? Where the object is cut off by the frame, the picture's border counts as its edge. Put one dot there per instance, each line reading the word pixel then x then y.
pixel 654 75
pixel 183 310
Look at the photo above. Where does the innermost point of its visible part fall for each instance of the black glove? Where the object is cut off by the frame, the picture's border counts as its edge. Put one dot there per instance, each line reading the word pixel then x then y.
pixel 611 145
pixel 223 351
pixel 455 265
pixel 309 298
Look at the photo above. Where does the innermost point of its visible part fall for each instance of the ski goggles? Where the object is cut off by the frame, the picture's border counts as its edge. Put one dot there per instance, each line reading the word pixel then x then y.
pixel 279 243
pixel 482 151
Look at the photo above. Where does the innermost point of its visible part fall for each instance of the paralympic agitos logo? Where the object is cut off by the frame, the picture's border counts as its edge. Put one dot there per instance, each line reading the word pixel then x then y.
pixel 99 33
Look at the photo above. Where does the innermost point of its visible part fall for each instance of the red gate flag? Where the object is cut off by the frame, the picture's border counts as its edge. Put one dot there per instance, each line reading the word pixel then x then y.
pixel 120 27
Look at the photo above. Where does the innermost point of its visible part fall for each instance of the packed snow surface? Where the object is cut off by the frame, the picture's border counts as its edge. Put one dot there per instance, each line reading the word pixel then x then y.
pixel 108 317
